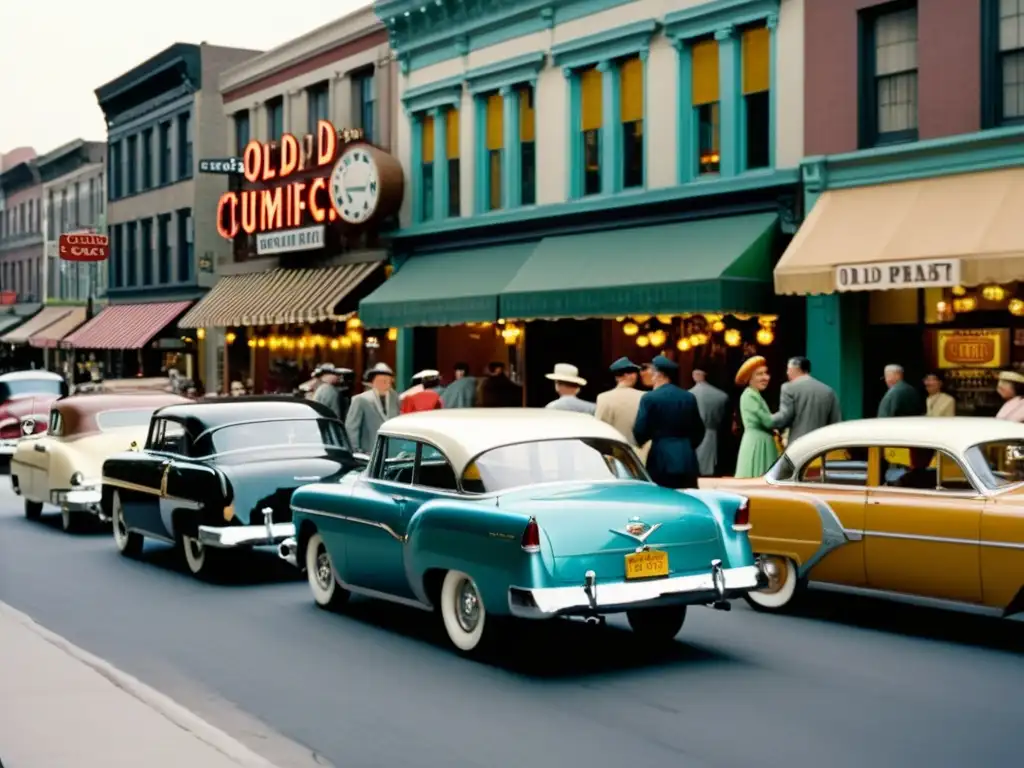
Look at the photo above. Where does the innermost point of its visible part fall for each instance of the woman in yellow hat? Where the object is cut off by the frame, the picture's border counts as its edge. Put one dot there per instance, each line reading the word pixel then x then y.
pixel 758 450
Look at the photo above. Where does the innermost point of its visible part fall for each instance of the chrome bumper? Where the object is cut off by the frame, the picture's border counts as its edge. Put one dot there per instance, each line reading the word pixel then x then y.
pixel 288 551
pixel 245 535
pixel 7 447
pixel 593 597
pixel 83 500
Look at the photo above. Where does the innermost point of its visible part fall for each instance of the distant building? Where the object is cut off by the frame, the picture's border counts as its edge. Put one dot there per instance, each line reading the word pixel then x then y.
pixel 21 235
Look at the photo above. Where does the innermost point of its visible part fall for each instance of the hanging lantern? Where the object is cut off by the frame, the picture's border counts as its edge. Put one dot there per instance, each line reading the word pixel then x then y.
pixel 392 334
pixel 251 342
pixel 641 318
pixel 733 337
pixel 989 292
pixel 664 319
pixel 230 337
pixel 718 326
pixel 658 338
pixel 200 333
pixel 1016 307
pixel 335 344
pixel 631 329
pixel 642 341
pixel 965 304
pixel 346 342
pixel 683 345
pixel 959 290
pixel 261 343
pixel 353 323
pixel 765 336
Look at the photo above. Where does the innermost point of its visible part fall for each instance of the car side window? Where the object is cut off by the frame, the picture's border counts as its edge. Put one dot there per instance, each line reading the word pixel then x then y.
pixel 434 470
pixel 397 460
pixel 168 436
pixel 923 469
pixel 56 425
pixel 838 466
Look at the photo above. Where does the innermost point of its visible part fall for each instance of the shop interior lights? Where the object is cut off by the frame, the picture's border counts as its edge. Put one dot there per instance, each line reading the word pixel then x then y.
pixel 1016 307
pixel 993 293
pixel 200 333
pixel 642 341
pixel 230 337
pixel 687 331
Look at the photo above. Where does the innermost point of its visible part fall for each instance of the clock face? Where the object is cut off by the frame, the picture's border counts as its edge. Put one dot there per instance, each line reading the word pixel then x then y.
pixel 355 185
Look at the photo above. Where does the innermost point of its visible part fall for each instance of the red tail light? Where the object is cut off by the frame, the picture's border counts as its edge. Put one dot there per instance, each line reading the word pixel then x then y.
pixel 742 520
pixel 531 536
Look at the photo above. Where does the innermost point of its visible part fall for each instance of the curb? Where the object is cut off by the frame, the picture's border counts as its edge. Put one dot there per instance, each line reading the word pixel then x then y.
pixel 170 709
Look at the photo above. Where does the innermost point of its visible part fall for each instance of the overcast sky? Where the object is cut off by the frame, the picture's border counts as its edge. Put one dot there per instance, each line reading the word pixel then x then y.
pixel 55 53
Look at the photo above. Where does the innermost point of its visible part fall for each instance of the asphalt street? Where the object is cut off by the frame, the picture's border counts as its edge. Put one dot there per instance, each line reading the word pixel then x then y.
pixel 847 683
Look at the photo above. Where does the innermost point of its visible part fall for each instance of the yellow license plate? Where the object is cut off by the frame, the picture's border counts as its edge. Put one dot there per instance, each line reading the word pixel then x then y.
pixel 644 565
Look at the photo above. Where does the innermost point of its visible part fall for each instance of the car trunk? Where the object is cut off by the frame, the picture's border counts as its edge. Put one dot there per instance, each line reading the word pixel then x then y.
pixel 270 483
pixel 584 526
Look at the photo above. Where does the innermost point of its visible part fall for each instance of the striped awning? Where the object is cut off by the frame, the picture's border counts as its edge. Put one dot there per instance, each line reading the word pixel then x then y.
pixel 125 326
pixel 46 317
pixel 49 336
pixel 278 297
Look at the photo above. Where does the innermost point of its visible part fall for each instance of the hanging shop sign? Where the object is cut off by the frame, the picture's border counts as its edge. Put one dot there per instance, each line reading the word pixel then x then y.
pixel 892 275
pixel 226 165
pixel 83 247
pixel 330 177
pixel 290 240
pixel 983 348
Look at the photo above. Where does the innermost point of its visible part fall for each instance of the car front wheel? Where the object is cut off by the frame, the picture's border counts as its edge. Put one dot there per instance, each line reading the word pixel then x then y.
pixel 463 612
pixel 783 584
pixel 323 583
pixel 129 543
pixel 200 560
pixel 657 625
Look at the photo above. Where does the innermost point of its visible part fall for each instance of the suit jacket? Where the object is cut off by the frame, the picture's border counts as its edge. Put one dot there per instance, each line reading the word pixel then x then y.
pixel 940 404
pixel 713 404
pixel 498 392
pixel 805 405
pixel 366 416
pixel 461 393
pixel 669 417
pixel 901 400
pixel 571 403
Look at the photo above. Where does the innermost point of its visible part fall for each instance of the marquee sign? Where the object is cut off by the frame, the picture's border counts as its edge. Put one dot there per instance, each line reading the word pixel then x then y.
pixel 83 247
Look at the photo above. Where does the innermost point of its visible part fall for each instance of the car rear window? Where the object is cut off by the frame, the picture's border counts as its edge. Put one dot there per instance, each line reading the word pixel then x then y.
pixel 550 461
pixel 134 417
pixel 307 435
pixel 9 389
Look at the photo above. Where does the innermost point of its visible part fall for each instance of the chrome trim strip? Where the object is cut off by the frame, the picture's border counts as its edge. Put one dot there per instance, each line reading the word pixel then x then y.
pixel 365 592
pixel 228 536
pixel 935 539
pixel 358 520
pixel 833 535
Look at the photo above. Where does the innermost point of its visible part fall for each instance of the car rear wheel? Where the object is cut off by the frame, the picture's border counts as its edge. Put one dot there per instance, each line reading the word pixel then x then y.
pixel 323 582
pixel 657 625
pixel 463 612
pixel 783 582
pixel 33 509
pixel 129 543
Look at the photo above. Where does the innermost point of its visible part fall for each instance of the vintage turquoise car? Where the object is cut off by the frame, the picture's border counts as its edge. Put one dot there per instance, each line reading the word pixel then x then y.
pixel 534 514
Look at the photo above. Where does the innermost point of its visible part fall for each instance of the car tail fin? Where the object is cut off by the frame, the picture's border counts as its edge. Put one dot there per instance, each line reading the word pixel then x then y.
pixel 741 521
pixel 531 536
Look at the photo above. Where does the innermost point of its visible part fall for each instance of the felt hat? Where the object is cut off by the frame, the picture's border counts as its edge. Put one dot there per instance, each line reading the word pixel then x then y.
pixel 623 365
pixel 1013 376
pixel 380 369
pixel 570 374
pixel 746 370
pixel 663 365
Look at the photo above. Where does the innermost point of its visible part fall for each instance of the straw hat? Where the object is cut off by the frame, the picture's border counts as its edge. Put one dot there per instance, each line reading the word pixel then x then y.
pixel 427 374
pixel 747 369
pixel 570 374
pixel 1013 376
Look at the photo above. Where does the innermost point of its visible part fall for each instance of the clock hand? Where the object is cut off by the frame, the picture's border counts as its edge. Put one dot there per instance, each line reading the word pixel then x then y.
pixel 356 189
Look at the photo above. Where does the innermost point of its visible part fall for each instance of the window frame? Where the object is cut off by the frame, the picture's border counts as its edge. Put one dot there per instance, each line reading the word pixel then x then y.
pixel 881 487
pixel 991 70
pixel 157 428
pixel 867 81
pixel 798 474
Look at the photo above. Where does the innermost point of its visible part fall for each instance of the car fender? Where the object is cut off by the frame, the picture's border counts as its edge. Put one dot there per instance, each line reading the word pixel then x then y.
pixel 475 537
pixel 723 506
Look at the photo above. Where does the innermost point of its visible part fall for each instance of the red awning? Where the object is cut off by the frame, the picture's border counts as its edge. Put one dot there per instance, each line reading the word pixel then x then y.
pixel 125 326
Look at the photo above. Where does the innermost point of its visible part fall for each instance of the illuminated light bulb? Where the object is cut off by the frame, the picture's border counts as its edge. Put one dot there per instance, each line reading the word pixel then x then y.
pixel 335 344
pixel 695 340
pixel 620 319
pixel 392 334
pixel 230 337
pixel 959 290
pixel 641 318
pixel 631 329
pixel 251 342
pixel 353 323
pixel 712 318
pixel 1016 307
pixel 642 341
pixel 683 345
pixel 200 333
pixel 718 326
pixel 765 336
pixel 261 343
pixel 990 292
pixel 767 320
pixel 658 338
pixel 965 304
pixel 733 337
pixel 664 319
pixel 346 343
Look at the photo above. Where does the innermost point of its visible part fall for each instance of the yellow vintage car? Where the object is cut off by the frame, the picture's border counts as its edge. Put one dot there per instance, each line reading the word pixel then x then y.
pixel 927 508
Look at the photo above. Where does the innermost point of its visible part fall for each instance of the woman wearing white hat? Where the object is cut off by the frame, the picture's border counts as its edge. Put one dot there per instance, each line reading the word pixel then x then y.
pixel 567 384
pixel 1011 389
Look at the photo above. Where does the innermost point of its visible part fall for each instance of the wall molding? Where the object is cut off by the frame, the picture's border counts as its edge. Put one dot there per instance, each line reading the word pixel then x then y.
pixel 440 93
pixel 514 71
pixel 605 46
pixel 707 18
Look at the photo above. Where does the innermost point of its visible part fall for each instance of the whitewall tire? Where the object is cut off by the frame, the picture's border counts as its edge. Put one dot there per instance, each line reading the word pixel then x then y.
pixel 129 543
pixel 463 611
pixel 197 556
pixel 323 580
pixel 783 582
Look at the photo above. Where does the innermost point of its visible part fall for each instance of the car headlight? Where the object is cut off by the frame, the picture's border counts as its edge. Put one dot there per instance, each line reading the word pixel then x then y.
pixel 28 426
pixel 77 478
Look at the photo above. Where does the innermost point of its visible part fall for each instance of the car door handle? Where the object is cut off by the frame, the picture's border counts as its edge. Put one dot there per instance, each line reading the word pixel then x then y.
pixel 401 499
pixel 40 447
pixel 874 501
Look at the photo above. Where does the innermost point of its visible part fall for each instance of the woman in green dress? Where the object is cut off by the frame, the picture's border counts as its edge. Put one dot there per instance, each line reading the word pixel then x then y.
pixel 757 447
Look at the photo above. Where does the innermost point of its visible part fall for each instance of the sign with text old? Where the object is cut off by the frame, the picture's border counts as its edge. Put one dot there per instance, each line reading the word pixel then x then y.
pixel 984 348
pixel 83 247
pixel 894 275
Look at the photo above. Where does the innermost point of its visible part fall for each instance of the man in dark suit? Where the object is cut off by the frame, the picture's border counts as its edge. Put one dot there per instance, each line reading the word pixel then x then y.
pixel 901 399
pixel 670 419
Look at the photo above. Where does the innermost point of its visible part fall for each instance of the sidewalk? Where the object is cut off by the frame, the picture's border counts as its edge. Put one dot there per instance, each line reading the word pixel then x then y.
pixel 64 708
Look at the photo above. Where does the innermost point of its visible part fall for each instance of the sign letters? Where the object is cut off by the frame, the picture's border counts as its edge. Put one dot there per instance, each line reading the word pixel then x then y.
pixel 228 165
pixel 891 275
pixel 83 247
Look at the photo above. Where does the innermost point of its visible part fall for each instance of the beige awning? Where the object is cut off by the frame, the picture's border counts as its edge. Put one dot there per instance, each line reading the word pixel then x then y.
pixel 976 218
pixel 47 316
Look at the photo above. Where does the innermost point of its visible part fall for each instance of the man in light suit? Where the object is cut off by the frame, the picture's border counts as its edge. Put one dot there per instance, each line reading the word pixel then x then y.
pixel 369 410
pixel 805 404
pixel 619 406
pixel 713 405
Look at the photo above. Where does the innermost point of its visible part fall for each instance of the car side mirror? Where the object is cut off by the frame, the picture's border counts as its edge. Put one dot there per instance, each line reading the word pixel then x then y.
pixel 362 459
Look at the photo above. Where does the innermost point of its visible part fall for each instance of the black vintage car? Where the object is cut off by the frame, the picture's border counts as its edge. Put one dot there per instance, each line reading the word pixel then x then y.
pixel 219 475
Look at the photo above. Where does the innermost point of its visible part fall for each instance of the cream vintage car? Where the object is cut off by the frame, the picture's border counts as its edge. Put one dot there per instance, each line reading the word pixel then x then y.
pixel 63 466
pixel 925 508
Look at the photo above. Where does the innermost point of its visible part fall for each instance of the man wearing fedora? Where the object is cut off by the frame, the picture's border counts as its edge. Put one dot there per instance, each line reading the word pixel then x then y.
pixel 567 384
pixel 670 419
pixel 619 406
pixel 370 409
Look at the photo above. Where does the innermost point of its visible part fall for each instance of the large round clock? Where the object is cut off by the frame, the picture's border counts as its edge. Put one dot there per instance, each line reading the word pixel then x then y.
pixel 355 185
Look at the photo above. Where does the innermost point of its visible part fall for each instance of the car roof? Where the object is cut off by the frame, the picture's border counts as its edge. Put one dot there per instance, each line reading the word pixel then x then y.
pixel 214 413
pixel 29 376
pixel 953 433
pixel 79 411
pixel 462 434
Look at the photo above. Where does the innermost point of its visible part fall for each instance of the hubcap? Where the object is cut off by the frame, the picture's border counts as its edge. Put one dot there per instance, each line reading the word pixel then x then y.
pixel 195 548
pixel 775 569
pixel 467 606
pixel 119 527
pixel 324 577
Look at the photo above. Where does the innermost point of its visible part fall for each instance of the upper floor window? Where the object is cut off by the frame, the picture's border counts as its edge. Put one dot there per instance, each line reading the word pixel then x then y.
pixel 65 223
pixel 185 146
pixel 590 129
pixel 1011 60
pixel 241 131
pixel 76 205
pixel 452 157
pixel 116 273
pixel 131 232
pixel 32 215
pixel 51 220
pixel 185 252
pixel 163 248
pixel 527 147
pixel 164 149
pixel 889 77
pixel 631 109
pixel 426 190
pixel 707 113
pixel 99 194
pixel 131 164
pixel 756 53
pixel 318 101
pixel 495 138
pixel 147 158
pixel 364 94
pixel 90 207
pixel 275 118
pixel 146 236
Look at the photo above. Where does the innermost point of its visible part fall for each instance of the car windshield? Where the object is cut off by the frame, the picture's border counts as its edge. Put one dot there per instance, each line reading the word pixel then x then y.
pixel 311 437
pixel 549 461
pixel 999 463
pixel 136 417
pixel 9 389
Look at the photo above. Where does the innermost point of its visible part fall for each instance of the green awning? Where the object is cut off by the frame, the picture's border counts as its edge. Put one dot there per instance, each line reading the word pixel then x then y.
pixel 710 265
pixel 445 288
